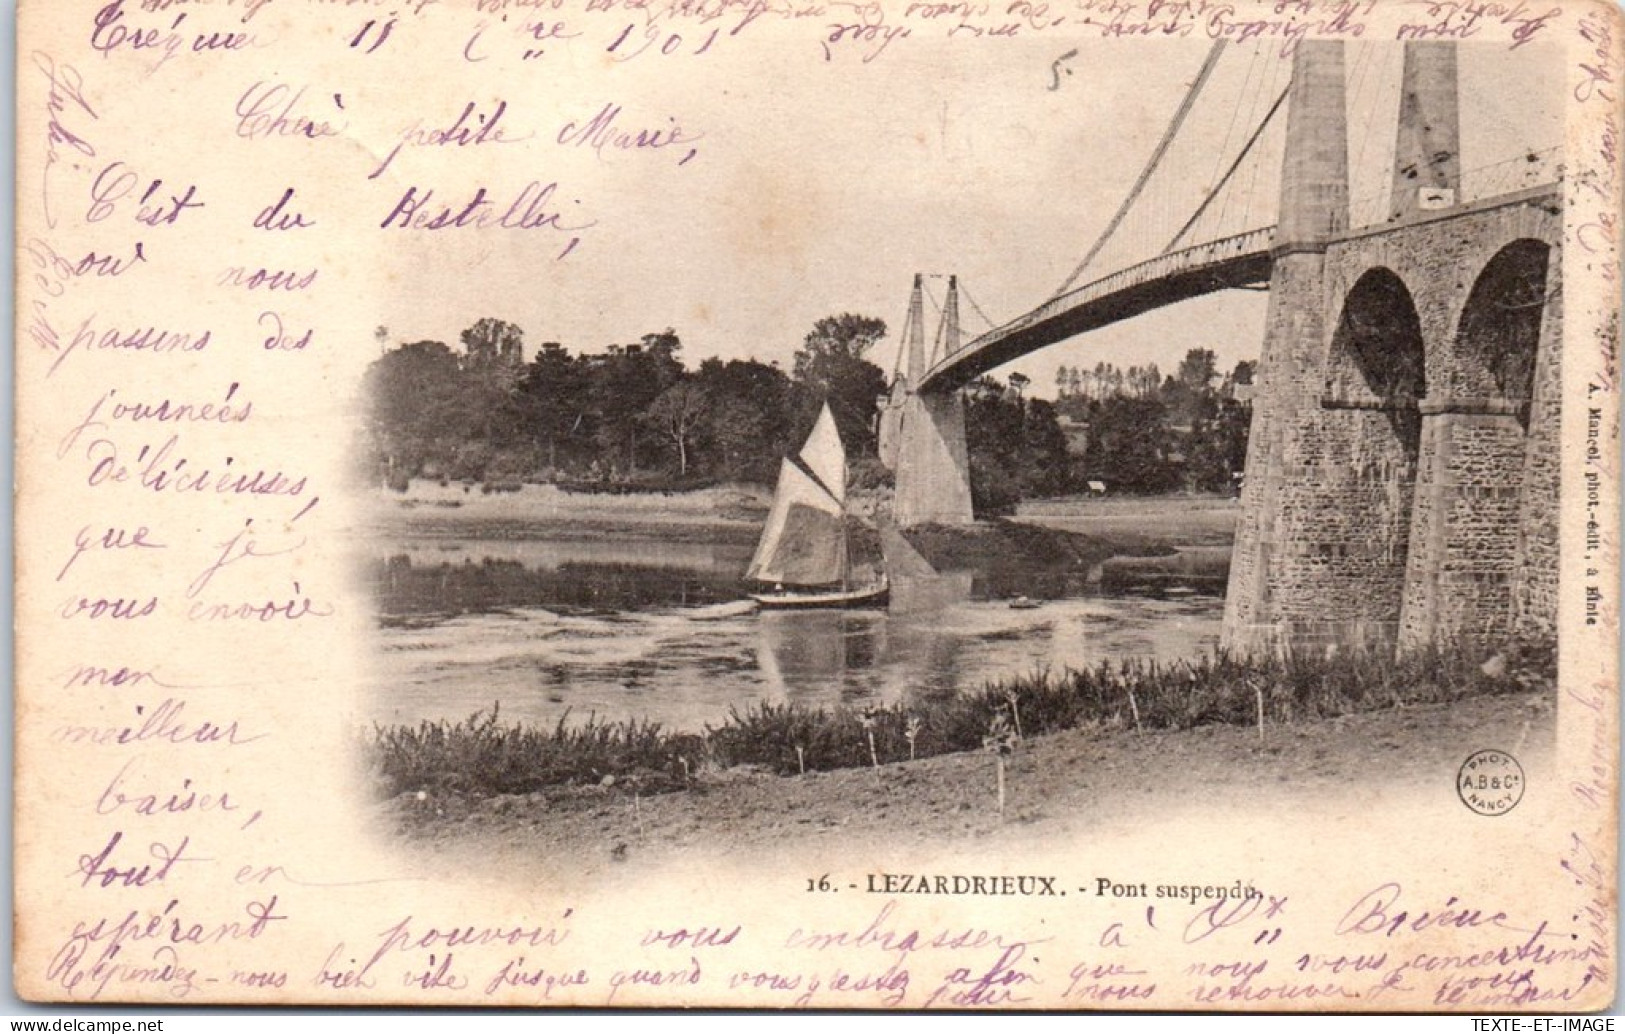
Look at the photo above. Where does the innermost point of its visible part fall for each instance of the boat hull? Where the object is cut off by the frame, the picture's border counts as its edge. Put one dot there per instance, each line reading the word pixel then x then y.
pixel 867 596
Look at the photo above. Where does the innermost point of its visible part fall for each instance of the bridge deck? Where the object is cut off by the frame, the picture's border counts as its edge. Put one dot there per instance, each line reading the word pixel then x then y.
pixel 1188 273
pixel 1230 262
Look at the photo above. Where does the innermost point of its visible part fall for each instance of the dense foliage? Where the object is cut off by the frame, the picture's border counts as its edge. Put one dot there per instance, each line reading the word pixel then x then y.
pixel 1147 433
pixel 635 414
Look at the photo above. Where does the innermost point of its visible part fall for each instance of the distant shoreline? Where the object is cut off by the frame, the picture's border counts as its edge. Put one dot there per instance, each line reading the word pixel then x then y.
pixel 429 509
pixel 742 501
pixel 1139 525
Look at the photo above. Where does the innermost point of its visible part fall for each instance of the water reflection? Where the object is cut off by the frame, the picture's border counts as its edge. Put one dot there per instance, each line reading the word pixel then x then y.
pixel 654 631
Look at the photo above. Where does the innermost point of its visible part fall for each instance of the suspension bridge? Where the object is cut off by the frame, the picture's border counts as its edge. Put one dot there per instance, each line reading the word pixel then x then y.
pixel 1402 481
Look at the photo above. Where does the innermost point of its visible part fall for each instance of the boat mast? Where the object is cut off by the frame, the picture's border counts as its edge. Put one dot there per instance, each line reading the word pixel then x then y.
pixel 846 551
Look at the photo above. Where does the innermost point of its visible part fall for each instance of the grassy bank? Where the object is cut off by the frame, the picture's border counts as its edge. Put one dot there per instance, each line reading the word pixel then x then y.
pixel 483 756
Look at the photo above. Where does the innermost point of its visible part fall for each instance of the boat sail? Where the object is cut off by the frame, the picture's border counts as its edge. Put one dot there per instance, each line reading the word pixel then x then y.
pixel 803 550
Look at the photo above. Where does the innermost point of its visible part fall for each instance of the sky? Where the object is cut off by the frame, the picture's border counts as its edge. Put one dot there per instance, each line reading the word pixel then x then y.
pixel 824 188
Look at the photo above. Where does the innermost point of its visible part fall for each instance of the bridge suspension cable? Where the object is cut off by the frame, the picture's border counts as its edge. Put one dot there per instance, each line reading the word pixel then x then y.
pixel 1237 130
pixel 964 290
pixel 1168 135
pixel 934 353
pixel 1180 234
pixel 1224 180
pixel 935 350
pixel 902 345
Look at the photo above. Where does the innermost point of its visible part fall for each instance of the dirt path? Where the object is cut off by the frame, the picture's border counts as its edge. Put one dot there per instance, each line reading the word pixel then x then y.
pixel 1091 780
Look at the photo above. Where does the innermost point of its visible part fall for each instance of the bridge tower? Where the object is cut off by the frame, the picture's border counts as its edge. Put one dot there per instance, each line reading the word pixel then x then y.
pixel 1400 468
pixel 923 432
pixel 1486 487
pixel 1321 543
pixel 1291 561
pixel 1427 156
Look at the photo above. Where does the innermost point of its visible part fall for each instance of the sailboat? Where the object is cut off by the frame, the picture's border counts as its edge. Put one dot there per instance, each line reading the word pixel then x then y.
pixel 803 550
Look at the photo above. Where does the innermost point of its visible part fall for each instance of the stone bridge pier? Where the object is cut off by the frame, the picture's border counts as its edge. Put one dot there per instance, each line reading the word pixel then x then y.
pixel 922 433
pixel 1402 480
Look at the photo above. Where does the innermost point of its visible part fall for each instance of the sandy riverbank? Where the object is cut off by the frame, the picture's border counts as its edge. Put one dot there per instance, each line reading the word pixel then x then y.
pixel 1092 782
pixel 1095 528
pixel 1206 521
pixel 456 510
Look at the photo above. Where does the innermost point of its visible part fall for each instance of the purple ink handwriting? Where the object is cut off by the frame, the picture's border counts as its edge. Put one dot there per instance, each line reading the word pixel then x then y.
pixel 884 934
pixel 344 970
pixel 166 469
pixel 521 971
pixel 105 871
pixel 143 947
pixel 155 207
pixel 280 216
pixel 163 724
pixel 112 33
pixel 281 339
pixel 108 540
pixel 244 545
pixel 267 279
pixel 150 339
pixel 1107 982
pixel 293 607
pixel 1376 913
pixel 471 128
pixel 603 131
pixel 97 676
pixel 533 208
pixel 67 94
pixel 1001 984
pixel 129 794
pixel 107 410
pixel 268 111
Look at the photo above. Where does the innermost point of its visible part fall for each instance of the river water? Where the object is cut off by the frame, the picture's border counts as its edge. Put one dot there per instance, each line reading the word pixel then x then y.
pixel 654 630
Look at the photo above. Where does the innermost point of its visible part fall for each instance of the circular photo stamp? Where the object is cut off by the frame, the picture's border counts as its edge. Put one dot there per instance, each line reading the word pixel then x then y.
pixel 1490 782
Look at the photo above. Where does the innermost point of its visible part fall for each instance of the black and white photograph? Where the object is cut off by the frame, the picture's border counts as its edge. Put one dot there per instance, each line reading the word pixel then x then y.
pixel 735 549
pixel 1089 505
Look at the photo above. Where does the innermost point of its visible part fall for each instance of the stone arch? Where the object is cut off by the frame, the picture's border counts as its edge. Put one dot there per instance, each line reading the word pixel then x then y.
pixel 1477 442
pixel 1498 333
pixel 1379 355
pixel 1368 434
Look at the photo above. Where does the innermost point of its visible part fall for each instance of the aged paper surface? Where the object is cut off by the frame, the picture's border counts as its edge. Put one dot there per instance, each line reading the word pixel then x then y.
pixel 232 214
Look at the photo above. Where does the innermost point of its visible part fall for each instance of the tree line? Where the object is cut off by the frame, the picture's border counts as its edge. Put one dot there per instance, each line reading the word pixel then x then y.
pixel 631 414
pixel 1148 433
pixel 636 415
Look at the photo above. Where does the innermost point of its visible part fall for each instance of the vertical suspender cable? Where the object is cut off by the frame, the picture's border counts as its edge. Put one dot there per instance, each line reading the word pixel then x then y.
pixel 1150 166
pixel 1228 172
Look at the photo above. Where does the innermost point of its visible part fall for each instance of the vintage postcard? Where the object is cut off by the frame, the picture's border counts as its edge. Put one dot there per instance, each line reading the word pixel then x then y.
pixel 1005 504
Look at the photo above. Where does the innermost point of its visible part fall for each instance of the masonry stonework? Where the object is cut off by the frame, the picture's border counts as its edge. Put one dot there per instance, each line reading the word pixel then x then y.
pixel 1470 521
pixel 1534 585
pixel 1402 477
